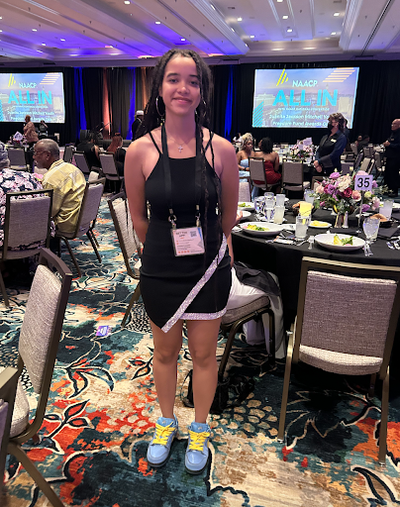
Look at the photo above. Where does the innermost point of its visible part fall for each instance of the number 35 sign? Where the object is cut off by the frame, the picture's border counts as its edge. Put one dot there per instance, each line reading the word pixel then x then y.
pixel 363 182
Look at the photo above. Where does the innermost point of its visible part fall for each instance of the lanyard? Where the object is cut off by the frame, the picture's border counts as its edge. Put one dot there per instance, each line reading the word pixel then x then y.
pixel 167 176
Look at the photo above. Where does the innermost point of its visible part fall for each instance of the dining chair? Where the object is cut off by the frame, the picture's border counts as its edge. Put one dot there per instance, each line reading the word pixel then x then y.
pixel 81 163
pixel 258 177
pixel 347 167
pixel 293 177
pixel 37 350
pixel 365 164
pixel 86 220
pixel 69 153
pixel 379 165
pixel 32 234
pixel 8 389
pixel 358 160
pixel 345 339
pixel 128 241
pixel 110 170
pixel 17 159
pixel 244 191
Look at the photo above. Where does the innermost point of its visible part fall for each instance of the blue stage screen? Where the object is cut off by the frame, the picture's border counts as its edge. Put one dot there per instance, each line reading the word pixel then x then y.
pixel 40 95
pixel 303 98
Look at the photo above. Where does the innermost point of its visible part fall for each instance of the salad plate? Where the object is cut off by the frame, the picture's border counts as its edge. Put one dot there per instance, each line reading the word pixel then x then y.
pixel 342 242
pixel 261 228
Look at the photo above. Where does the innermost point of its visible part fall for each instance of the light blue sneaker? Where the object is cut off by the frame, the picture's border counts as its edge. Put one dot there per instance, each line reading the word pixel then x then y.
pixel 197 451
pixel 160 446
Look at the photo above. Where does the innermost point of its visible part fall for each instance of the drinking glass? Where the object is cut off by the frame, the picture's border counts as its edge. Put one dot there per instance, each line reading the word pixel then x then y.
pixel 371 227
pixel 259 205
pixel 269 195
pixel 278 214
pixel 280 199
pixel 386 209
pixel 302 224
pixel 309 196
pixel 268 208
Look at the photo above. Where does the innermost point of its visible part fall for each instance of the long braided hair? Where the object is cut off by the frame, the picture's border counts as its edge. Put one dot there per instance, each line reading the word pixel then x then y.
pixel 155 110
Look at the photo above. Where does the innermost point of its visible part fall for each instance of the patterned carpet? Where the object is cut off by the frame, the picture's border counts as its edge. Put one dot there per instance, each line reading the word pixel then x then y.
pixel 101 414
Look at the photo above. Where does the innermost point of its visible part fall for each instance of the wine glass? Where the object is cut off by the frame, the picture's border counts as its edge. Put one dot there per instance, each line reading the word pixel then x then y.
pixel 370 227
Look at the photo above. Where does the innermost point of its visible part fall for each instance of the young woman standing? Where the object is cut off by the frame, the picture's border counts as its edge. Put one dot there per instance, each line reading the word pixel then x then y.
pixel 189 178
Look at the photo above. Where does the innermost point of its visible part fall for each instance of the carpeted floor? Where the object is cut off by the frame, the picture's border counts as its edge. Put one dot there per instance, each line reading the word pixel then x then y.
pixel 102 410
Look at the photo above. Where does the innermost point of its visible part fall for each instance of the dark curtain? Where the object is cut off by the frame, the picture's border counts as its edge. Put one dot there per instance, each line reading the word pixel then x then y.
pixel 92 81
pixel 120 85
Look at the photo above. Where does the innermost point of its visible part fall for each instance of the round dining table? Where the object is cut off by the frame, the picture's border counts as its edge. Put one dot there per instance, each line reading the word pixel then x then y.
pixel 284 260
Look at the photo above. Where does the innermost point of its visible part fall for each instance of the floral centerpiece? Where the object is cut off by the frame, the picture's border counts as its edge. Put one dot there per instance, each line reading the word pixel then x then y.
pixel 301 152
pixel 337 192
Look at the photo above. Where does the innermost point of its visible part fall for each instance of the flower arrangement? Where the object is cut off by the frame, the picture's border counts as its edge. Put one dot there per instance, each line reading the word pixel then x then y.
pixel 301 151
pixel 338 192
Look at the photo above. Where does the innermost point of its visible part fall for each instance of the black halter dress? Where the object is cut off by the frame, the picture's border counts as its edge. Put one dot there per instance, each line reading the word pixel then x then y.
pixel 193 287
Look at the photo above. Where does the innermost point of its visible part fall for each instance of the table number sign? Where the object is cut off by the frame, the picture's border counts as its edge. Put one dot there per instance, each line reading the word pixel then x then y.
pixel 363 182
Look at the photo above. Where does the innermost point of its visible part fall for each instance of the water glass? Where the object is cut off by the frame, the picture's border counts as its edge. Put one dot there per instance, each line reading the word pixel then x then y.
pixel 280 199
pixel 386 209
pixel 302 224
pixel 268 209
pixel 371 228
pixel 258 205
pixel 278 214
pixel 269 195
pixel 309 196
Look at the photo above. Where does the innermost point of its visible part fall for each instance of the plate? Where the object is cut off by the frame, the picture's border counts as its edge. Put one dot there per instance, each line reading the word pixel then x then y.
pixel 396 207
pixel 269 229
pixel 326 241
pixel 245 214
pixel 317 224
pixel 247 206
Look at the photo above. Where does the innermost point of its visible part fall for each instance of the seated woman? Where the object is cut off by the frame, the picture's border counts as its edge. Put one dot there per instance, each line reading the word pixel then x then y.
pixel 91 151
pixel 242 156
pixel 271 161
pixel 119 153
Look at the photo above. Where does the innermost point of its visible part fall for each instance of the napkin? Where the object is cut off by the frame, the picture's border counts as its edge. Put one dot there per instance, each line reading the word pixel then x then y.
pixel 389 232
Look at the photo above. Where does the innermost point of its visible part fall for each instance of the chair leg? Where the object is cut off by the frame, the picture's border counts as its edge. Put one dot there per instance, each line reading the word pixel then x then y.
pixel 135 297
pixel 3 291
pixel 71 253
pixel 372 385
pixel 228 348
pixel 384 419
pixel 285 393
pixel 47 490
pixel 89 234
pixel 272 344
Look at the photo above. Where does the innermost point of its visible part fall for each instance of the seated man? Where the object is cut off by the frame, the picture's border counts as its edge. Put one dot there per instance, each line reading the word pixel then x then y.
pixel 67 181
pixel 12 181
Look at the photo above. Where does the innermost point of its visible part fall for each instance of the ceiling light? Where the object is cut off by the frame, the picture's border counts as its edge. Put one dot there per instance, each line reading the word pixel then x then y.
pixel 333 33
pixel 279 1
pixel 337 14
pixel 240 19
pixel 252 36
pixel 1 17
pixel 233 30
pixel 43 44
pixel 289 30
pixel 158 22
pixel 277 49
pixel 62 40
pixel 109 47
pixel 183 40
pixel 127 2
pixel 309 48
pixel 285 17
pixel 1 31
pixel 212 7
pixel 34 30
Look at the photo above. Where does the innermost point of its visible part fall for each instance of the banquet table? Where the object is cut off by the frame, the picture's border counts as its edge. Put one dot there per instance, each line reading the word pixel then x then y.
pixel 285 260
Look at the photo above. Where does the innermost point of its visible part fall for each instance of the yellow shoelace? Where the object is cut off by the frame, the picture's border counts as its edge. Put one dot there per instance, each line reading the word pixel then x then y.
pixel 197 440
pixel 162 434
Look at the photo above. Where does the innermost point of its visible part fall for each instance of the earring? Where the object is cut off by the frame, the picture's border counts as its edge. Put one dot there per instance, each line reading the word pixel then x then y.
pixel 157 108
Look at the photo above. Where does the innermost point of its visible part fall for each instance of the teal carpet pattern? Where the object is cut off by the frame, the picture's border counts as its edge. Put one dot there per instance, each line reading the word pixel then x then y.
pixel 102 410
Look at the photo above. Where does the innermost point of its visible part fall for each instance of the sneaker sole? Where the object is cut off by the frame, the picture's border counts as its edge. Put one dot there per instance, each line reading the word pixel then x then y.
pixel 198 472
pixel 159 465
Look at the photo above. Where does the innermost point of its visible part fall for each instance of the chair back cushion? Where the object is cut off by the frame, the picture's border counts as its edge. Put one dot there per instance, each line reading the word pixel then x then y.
pixel 257 171
pixel 108 165
pixel 29 221
pixel 244 191
pixel 36 330
pixel 130 239
pixel 90 207
pixel 347 314
pixel 292 172
pixel 16 156
pixel 81 163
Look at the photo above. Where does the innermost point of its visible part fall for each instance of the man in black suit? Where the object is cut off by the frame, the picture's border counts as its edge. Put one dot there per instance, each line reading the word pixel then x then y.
pixel 136 124
pixel 392 168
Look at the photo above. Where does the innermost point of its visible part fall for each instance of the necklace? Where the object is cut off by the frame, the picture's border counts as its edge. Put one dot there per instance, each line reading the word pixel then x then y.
pixel 180 148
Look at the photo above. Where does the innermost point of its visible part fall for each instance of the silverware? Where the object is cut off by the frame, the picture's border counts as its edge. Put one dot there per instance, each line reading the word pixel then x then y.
pixel 311 241
pixel 367 249
pixel 389 244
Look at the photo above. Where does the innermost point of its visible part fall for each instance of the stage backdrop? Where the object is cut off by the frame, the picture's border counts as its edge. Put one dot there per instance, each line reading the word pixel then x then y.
pixel 107 98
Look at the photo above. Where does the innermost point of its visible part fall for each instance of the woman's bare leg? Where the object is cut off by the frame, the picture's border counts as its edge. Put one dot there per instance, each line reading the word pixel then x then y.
pixel 203 337
pixel 166 351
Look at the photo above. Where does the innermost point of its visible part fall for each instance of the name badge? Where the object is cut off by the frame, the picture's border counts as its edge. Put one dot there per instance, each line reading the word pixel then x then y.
pixel 187 241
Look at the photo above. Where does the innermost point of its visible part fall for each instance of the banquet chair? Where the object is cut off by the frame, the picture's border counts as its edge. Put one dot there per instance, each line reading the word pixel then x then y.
pixel 292 177
pixel 81 163
pixel 110 170
pixel 347 167
pixel 8 389
pixel 86 220
pixel 233 320
pixel 365 164
pixel 37 350
pixel 32 234
pixel 128 241
pixel 17 159
pixel 358 160
pixel 379 165
pixel 244 191
pixel 68 153
pixel 257 174
pixel 348 340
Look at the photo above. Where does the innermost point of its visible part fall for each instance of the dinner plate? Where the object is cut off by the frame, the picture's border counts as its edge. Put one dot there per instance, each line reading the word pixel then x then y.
pixel 317 224
pixel 326 241
pixel 396 207
pixel 246 214
pixel 268 229
pixel 247 206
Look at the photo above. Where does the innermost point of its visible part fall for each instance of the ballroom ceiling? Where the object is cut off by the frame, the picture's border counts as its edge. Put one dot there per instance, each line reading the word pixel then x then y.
pixel 120 33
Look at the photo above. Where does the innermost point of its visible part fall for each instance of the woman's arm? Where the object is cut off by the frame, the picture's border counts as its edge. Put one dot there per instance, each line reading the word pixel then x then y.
pixel 239 157
pixel 134 185
pixel 276 162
